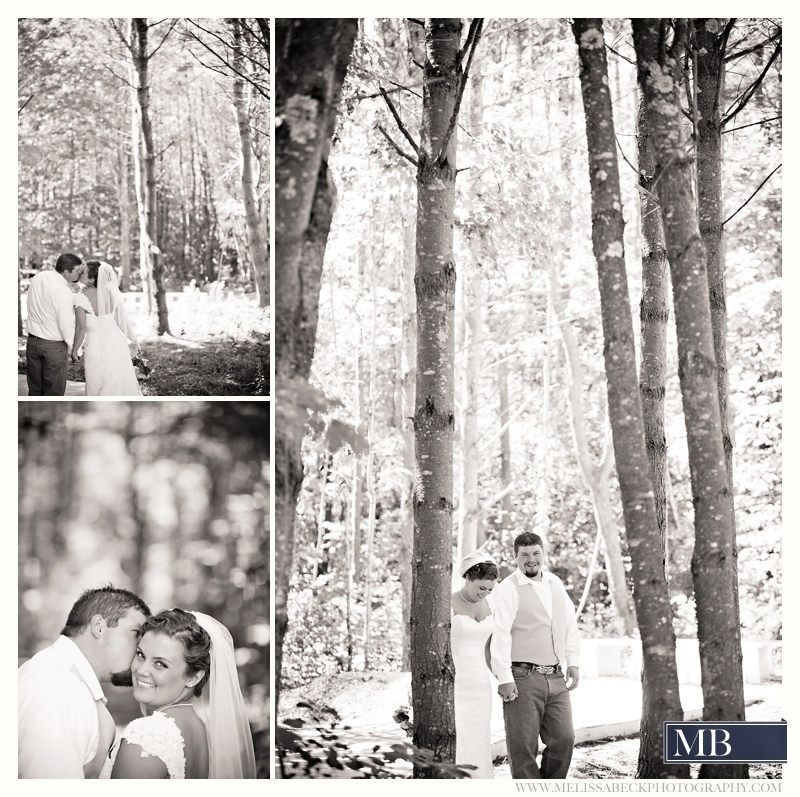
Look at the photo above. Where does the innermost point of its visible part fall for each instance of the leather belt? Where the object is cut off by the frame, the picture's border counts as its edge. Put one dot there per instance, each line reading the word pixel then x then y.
pixel 544 669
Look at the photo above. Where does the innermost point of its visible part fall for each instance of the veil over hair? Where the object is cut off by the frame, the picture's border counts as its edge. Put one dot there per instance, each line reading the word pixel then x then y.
pixel 109 299
pixel 221 708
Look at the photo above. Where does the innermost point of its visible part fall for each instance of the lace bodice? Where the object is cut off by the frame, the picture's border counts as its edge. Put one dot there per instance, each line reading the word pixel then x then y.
pixel 82 300
pixel 158 735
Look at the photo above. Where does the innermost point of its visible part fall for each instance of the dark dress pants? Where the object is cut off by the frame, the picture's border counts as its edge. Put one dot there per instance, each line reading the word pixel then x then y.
pixel 543 709
pixel 46 366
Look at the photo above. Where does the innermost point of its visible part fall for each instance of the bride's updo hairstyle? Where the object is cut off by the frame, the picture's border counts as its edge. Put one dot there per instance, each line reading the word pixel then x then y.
pixel 183 626
pixel 92 269
pixel 483 571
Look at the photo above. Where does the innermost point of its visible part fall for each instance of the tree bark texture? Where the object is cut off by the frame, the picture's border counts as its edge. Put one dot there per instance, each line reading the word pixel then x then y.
pixel 256 228
pixel 145 264
pixel 653 317
pixel 624 406
pixel 408 377
pixel 148 230
pixel 712 562
pixel 311 62
pixel 432 671
pixel 711 42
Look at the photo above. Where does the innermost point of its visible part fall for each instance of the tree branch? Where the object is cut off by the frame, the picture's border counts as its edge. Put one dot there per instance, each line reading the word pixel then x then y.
pixel 620 55
pixel 171 28
pixel 396 148
pixel 621 152
pixel 748 94
pixel 753 194
pixel 399 121
pixel 468 42
pixel 753 124
pixel 760 46
pixel 22 107
pixel 477 24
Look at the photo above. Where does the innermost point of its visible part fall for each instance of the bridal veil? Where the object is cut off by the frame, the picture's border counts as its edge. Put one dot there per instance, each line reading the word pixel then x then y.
pixel 221 708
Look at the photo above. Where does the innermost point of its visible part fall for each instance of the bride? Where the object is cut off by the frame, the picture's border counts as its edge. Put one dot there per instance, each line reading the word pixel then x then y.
pixel 195 721
pixel 100 317
pixel 470 628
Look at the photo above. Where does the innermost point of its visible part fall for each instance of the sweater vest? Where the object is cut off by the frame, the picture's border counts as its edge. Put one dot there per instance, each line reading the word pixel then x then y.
pixel 535 637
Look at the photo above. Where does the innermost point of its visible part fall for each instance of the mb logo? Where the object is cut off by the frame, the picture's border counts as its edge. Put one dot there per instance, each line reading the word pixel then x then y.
pixel 725 742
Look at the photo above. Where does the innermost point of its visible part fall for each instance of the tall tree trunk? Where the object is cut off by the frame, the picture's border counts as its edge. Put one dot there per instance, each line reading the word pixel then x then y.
pixel 505 448
pixel 653 317
pixel 370 475
pixel 596 475
pixel 256 229
pixel 124 202
pixel 145 261
pixel 431 663
pixel 148 231
pixel 408 378
pixel 471 289
pixel 312 56
pixel 710 81
pixel 624 407
pixel 712 562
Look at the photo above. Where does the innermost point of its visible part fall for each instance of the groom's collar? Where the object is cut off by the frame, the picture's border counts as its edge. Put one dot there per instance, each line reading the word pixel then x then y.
pixel 66 646
pixel 523 579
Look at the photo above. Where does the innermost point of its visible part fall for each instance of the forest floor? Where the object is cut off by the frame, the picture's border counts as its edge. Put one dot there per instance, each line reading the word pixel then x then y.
pixel 219 346
pixel 364 703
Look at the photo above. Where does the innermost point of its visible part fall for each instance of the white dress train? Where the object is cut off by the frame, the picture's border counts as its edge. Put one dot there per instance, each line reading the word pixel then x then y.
pixel 473 693
pixel 107 358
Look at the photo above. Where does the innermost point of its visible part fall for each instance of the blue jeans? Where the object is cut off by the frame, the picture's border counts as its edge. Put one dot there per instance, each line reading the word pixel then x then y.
pixel 46 366
pixel 543 709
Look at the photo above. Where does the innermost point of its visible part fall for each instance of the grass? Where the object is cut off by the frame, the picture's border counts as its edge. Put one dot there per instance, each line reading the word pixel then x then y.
pixel 219 346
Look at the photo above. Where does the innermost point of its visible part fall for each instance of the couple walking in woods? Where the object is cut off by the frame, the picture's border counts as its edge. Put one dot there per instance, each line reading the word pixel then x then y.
pixel 183 672
pixel 94 318
pixel 525 631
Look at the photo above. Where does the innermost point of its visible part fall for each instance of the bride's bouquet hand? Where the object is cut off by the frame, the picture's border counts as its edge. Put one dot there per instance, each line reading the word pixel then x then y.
pixel 134 349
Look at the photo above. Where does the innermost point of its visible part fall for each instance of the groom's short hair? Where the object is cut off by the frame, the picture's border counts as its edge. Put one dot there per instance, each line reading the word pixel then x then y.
pixel 67 262
pixel 527 538
pixel 109 602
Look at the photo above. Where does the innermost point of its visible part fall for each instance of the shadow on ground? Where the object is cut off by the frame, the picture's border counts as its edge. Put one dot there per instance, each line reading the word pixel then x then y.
pixel 181 367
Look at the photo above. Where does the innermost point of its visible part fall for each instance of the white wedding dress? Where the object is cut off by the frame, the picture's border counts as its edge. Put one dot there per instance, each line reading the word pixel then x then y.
pixel 107 358
pixel 473 693
pixel 158 735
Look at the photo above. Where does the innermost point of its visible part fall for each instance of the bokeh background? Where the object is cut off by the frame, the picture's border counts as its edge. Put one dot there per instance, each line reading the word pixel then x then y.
pixel 168 499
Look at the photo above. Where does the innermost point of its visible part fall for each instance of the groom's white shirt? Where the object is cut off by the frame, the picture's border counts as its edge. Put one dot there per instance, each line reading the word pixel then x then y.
pixel 59 729
pixel 505 604
pixel 50 312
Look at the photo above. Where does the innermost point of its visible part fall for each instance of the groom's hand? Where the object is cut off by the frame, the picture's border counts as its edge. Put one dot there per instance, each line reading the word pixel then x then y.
pixel 573 676
pixel 507 691
pixel 75 357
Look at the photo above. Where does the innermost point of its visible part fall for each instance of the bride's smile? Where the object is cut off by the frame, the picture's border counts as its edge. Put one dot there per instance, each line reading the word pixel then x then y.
pixel 159 669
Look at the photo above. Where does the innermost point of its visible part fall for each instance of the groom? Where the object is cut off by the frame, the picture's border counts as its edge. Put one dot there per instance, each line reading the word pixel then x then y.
pixel 65 729
pixel 535 637
pixel 51 326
